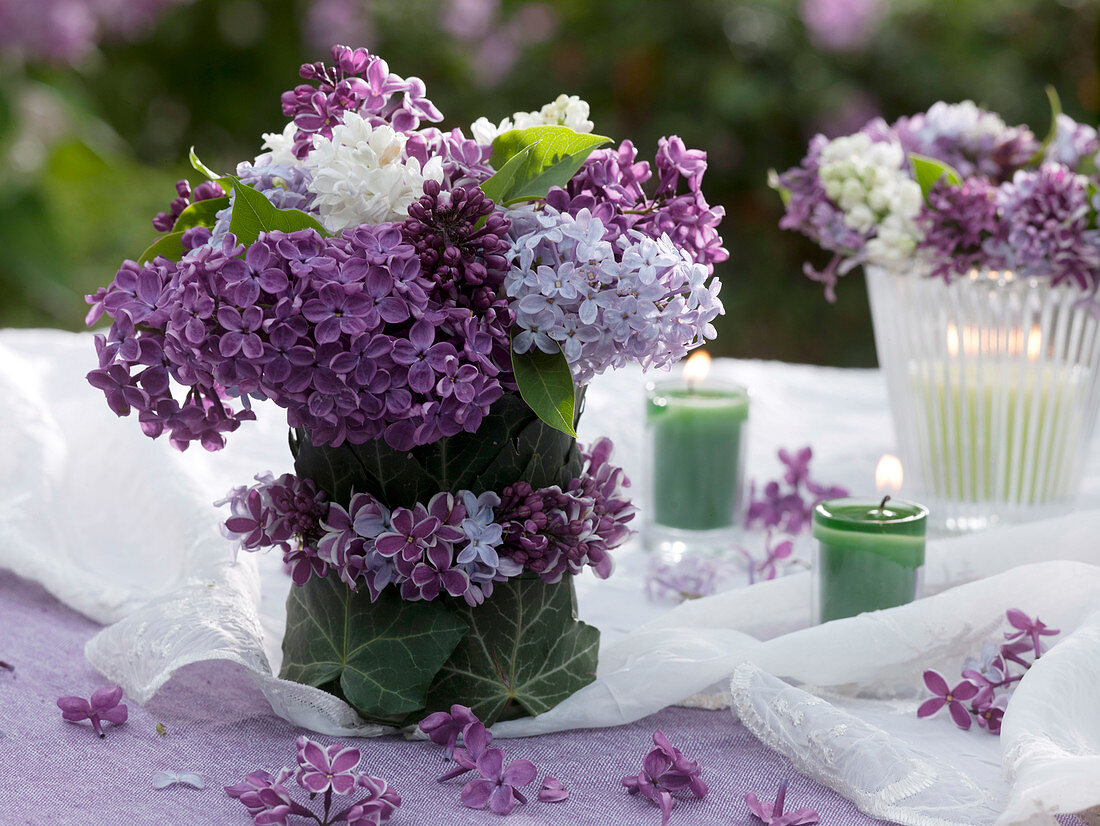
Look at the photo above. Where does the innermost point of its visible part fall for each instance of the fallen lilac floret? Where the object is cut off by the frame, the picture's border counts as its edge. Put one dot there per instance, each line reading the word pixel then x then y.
pixel 104 707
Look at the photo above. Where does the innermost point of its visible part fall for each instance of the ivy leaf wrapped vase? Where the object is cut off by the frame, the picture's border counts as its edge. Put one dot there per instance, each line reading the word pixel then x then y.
pixel 427 307
pixel 981 249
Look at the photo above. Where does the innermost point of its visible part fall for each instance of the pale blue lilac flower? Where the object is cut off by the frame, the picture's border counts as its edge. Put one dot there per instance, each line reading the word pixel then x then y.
pixel 640 300
pixel 104 707
pixel 771 812
pixel 665 772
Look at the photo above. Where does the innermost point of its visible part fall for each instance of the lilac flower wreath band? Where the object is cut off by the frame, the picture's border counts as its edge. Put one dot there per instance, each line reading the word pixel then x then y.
pixel 458 543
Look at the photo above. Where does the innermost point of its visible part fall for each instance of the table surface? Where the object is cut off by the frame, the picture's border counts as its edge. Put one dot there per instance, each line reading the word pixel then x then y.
pixel 219 726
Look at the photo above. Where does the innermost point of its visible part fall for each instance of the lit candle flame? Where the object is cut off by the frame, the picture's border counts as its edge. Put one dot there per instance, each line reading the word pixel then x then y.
pixel 697 367
pixel 1034 343
pixel 952 340
pixel 888 474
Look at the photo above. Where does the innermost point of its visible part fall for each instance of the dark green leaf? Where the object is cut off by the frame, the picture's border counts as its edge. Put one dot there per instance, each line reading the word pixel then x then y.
pixel 511 444
pixel 525 653
pixel 928 171
pixel 254 214
pixel 170 246
pixel 546 384
pixel 201 214
pixel 382 655
pixel 531 161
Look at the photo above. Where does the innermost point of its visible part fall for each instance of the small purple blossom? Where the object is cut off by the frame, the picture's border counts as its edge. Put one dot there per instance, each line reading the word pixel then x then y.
pixel 771 812
pixel 666 771
pixel 103 707
pixel 499 784
pixel 321 771
pixel 789 509
pixel 954 698
pixel 691 577
pixel 1028 629
pixel 444 728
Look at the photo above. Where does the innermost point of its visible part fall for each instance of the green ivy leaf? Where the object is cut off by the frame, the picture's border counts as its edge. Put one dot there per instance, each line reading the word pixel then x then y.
pixel 531 161
pixel 511 444
pixel 169 245
pixel 382 656
pixel 928 171
pixel 201 214
pixel 525 653
pixel 546 384
pixel 253 214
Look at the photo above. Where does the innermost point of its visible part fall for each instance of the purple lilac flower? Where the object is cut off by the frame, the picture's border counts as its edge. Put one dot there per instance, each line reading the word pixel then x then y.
pixel 605 305
pixel 475 741
pixel 356 82
pixel 165 221
pixel 1073 142
pixel 443 728
pixel 104 707
pixel 961 228
pixel 666 771
pixel 771 813
pixel 554 532
pixel 1045 214
pixel 1028 629
pixel 330 329
pixel 789 510
pixel 776 554
pixel 990 714
pixel 498 787
pixel 953 698
pixel 841 25
pixel 465 161
pixel 321 771
pixel 610 186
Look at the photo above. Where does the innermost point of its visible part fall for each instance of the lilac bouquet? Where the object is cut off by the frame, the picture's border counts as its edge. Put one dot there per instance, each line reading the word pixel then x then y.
pixel 427 307
pixel 950 191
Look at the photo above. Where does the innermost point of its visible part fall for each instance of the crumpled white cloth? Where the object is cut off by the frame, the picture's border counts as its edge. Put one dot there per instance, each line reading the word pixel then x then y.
pixel 122 528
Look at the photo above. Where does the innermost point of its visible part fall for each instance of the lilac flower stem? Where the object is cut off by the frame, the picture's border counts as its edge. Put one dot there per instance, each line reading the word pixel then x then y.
pixel 328 804
pixel 96 726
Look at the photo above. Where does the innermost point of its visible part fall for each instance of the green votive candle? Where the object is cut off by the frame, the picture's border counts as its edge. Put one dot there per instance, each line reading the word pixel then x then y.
pixel 696 434
pixel 869 555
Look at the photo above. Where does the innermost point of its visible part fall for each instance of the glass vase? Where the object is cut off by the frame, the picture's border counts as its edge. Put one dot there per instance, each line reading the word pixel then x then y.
pixel 993 389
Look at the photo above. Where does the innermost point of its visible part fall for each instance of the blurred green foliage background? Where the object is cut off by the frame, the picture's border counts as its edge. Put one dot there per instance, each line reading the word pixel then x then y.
pixel 90 146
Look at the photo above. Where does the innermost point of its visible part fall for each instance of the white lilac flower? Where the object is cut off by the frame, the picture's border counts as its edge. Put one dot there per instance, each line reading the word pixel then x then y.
pixel 868 181
pixel 564 110
pixel 279 147
pixel 362 175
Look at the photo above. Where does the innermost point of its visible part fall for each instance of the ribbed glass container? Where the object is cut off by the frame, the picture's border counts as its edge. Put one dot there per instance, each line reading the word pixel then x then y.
pixel 993 384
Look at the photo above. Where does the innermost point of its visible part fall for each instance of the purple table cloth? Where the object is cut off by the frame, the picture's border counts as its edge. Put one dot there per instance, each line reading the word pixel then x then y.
pixel 219 726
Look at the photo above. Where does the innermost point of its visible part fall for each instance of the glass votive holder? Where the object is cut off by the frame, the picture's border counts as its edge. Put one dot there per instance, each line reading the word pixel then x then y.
pixel 695 441
pixel 869 555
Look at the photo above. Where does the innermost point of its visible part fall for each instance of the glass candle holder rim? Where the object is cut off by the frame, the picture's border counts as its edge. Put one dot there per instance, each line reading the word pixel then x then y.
pixel 830 513
pixel 977 276
pixel 733 390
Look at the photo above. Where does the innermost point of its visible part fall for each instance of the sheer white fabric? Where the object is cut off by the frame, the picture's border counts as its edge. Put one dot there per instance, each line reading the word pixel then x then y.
pixel 122 528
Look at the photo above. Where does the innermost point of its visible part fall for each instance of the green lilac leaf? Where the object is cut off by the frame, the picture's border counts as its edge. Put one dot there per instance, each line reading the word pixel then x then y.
pixel 383 656
pixel 525 653
pixel 531 161
pixel 254 214
pixel 546 384
pixel 201 213
pixel 511 444
pixel 199 166
pixel 169 246
pixel 928 171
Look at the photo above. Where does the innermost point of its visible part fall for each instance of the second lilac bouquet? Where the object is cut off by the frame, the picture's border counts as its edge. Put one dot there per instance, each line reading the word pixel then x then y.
pixel 427 307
